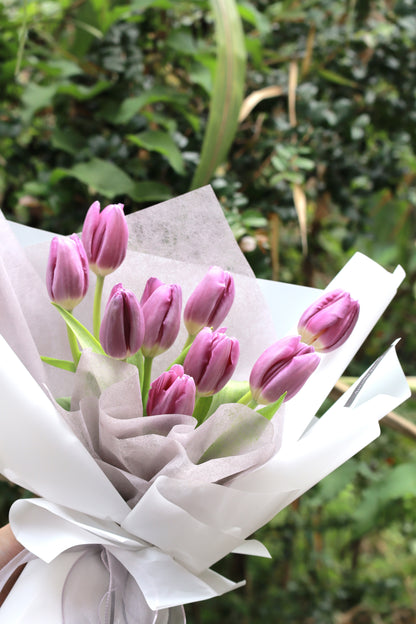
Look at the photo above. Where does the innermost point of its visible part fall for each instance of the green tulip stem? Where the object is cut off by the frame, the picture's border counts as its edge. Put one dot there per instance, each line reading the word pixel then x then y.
pixel 189 341
pixel 202 407
pixel 96 319
pixel 147 370
pixel 181 357
pixel 246 399
pixel 76 353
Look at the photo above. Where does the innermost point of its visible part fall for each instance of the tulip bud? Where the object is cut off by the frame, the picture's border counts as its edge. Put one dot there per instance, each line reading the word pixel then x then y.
pixel 284 367
pixel 210 302
pixel 161 305
pixel 328 322
pixel 151 285
pixel 211 360
pixel 105 237
pixel 122 327
pixel 172 392
pixel 67 272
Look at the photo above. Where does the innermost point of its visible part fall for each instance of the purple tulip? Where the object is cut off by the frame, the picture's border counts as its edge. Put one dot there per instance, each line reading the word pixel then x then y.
pixel 172 392
pixel 67 274
pixel 210 302
pixel 284 367
pixel 105 235
pixel 161 305
pixel 328 322
pixel 211 360
pixel 150 287
pixel 122 327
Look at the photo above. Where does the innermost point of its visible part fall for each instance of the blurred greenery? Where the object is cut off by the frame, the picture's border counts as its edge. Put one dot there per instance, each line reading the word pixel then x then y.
pixel 301 115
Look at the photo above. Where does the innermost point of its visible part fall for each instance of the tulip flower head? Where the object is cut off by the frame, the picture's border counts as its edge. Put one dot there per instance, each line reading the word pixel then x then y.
pixel 161 305
pixel 328 322
pixel 210 302
pixel 284 367
pixel 211 360
pixel 151 285
pixel 67 274
pixel 105 235
pixel 172 392
pixel 122 327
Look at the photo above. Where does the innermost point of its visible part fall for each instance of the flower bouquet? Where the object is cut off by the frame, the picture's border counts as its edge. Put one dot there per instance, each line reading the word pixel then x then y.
pixel 157 442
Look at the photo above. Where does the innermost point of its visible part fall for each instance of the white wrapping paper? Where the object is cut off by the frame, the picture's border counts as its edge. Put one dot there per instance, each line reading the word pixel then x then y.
pixel 178 529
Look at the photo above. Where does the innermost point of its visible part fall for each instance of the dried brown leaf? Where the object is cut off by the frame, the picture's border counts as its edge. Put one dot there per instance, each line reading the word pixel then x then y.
pixel 255 98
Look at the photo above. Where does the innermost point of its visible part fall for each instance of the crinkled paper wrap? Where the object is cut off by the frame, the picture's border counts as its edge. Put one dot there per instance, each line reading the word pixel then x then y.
pixel 179 528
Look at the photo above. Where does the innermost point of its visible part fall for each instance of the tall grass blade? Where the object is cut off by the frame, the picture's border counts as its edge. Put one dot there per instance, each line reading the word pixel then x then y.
pixel 228 90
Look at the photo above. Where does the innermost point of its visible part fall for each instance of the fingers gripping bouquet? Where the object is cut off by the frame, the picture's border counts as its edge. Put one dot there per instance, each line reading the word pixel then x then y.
pixel 158 441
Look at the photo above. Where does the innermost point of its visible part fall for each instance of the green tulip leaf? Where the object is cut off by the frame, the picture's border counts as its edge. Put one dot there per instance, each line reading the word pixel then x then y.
pixel 64 402
pixel 244 434
pixel 64 364
pixel 231 393
pixel 202 408
pixel 84 337
pixel 270 410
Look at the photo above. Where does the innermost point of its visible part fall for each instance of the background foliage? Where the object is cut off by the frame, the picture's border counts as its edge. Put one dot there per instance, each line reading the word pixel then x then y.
pixel 302 117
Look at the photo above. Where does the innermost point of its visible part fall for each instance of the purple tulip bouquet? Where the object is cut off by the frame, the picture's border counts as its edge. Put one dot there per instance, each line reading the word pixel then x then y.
pixel 160 430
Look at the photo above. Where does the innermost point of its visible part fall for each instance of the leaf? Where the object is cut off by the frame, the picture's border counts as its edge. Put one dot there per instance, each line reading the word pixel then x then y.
pixel 84 337
pixel 337 78
pixel 141 5
pixel 201 75
pixel 182 41
pixel 290 176
pixel 138 361
pixel 62 67
pixel 65 403
pixel 150 191
pixel 162 142
pixel 102 176
pixel 227 93
pixel 268 411
pixel 253 219
pixel 335 482
pixel 102 9
pixel 64 364
pixel 252 15
pixel 67 140
pixel 81 92
pixel 87 29
pixel 242 433
pixel 399 482
pixel 299 199
pixel 131 106
pixel 292 86
pixel 202 408
pixel 255 98
pixel 36 97
pixel 304 163
pixel 231 393
pixel 282 12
